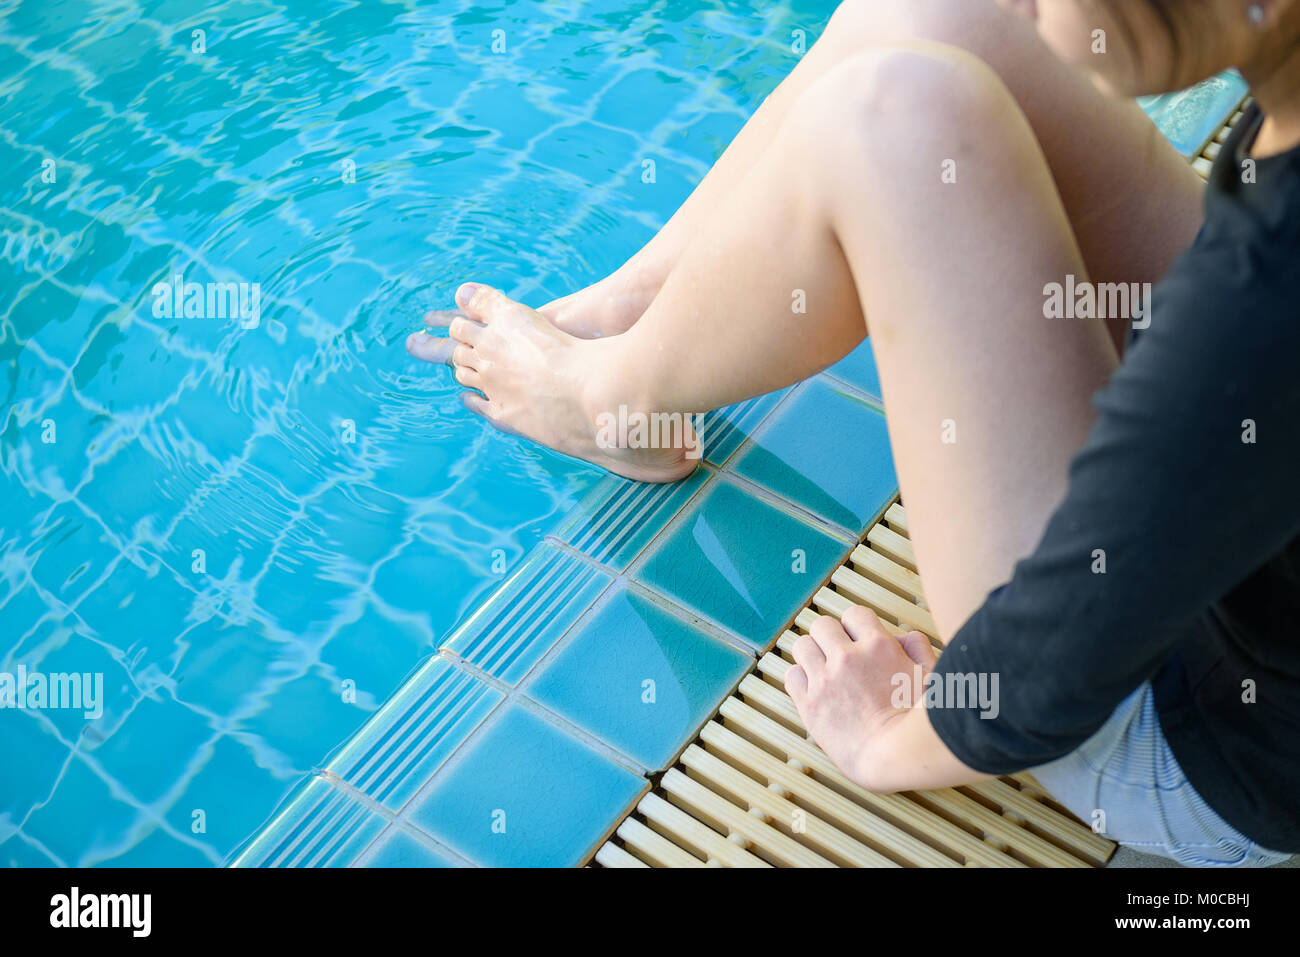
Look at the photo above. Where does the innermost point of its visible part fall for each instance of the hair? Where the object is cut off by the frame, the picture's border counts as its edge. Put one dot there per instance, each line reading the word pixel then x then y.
pixel 1122 13
pixel 1179 19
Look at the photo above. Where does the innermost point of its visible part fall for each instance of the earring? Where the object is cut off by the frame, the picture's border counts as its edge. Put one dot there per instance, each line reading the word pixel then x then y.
pixel 1256 13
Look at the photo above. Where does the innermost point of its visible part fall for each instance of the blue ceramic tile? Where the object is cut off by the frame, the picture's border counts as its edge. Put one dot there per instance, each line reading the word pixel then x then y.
pixel 525 618
pixel 398 847
pixel 69 552
pixel 230 814
pixel 1190 117
pixel 160 849
pixel 526 795
pixel 375 653
pixel 320 826
pixel 413 734
pixel 858 369
pixel 28 743
pixel 827 450
pixel 639 678
pixel 279 724
pixel 622 516
pixel 67 831
pixel 741 562
pixel 18 852
pixel 155 726
pixel 725 429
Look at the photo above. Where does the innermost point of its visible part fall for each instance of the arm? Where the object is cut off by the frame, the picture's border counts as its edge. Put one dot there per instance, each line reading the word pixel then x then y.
pixel 1186 484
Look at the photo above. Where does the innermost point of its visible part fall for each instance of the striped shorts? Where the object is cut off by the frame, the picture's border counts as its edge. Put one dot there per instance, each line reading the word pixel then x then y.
pixel 1125 781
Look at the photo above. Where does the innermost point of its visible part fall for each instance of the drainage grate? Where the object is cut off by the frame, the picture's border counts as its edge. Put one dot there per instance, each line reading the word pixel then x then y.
pixel 753 791
pixel 1203 163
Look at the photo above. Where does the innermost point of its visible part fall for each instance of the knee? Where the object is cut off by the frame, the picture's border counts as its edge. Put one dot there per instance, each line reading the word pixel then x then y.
pixel 895 100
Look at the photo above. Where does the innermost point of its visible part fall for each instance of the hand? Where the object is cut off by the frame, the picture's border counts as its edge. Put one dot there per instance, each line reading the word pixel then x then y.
pixel 851 682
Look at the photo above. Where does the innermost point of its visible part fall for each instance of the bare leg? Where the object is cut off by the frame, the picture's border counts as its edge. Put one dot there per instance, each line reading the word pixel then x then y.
pixel 1132 202
pixel 848 204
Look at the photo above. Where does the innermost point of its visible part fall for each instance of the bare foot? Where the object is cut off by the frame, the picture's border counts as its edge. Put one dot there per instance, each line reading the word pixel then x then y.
pixel 534 379
pixel 606 308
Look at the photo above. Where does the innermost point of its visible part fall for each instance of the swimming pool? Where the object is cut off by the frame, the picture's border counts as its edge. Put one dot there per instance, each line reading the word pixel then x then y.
pixel 254 525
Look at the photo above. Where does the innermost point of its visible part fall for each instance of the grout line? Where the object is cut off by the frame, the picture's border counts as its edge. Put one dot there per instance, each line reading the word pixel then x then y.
pixel 775 499
pixel 875 401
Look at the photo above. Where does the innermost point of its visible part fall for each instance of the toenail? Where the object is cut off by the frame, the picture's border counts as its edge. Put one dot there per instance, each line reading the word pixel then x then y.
pixel 465 293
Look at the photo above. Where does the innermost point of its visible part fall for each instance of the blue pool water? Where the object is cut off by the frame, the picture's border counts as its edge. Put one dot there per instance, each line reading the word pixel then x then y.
pixel 253 534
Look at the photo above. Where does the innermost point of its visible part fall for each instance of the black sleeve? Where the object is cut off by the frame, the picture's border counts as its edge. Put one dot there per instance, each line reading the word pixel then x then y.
pixel 1187 483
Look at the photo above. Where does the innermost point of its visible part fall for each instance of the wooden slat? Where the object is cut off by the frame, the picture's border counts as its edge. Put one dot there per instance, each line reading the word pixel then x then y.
pixel 756 834
pixel 1000 832
pixel 896 519
pixel 779 813
pixel 654 847
pixel 611 855
pixel 894 808
pixel 957 805
pixel 1061 830
pixel 863 591
pixel 892 544
pixel 809 793
pixel 875 565
pixel 672 820
pixel 832 603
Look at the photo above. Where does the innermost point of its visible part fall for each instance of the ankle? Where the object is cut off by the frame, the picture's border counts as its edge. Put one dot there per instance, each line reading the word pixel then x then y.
pixel 613 382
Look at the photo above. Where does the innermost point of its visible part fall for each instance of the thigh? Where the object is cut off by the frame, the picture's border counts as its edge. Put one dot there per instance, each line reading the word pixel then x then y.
pixel 1133 202
pixel 986 399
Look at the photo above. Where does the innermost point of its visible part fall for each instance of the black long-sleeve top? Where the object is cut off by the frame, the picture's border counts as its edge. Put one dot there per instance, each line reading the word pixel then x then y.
pixel 1188 490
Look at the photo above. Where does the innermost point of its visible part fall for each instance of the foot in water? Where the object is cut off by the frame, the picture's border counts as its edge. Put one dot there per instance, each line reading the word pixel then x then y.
pixel 533 379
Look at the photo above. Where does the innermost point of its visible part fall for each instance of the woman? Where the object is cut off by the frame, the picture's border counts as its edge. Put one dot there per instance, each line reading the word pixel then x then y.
pixel 924 175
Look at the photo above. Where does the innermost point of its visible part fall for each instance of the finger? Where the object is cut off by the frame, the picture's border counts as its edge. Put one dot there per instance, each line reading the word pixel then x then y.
pixel 796 685
pixel 480 302
pixel 862 623
pixel 919 649
pixel 465 330
pixel 441 318
pixel 462 357
pixel 830 636
pixel 808 655
pixel 429 348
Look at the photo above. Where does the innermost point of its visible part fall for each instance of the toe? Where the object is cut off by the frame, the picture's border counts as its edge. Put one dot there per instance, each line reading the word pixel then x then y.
pixel 482 303
pixel 429 348
pixel 463 356
pixel 484 407
pixel 465 330
pixel 441 318
pixel 469 378
pixel 475 403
